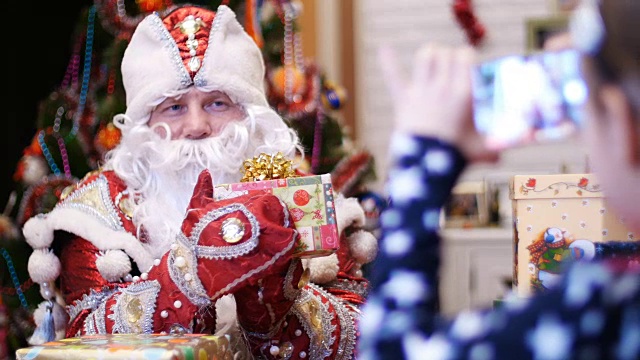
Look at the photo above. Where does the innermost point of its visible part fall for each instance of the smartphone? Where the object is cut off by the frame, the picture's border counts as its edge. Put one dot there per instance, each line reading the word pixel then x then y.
pixel 524 99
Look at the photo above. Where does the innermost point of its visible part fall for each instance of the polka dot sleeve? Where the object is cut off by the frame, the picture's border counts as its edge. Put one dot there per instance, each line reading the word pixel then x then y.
pixel 404 276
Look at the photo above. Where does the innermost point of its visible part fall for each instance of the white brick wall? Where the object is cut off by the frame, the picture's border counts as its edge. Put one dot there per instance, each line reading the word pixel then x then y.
pixel 406 24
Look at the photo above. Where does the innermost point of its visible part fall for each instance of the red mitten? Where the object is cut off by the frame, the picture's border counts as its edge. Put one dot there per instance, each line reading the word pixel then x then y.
pixel 229 244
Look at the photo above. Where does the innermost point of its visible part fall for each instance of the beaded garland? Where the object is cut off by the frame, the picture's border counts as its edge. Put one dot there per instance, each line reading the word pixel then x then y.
pixel 317 139
pixel 116 19
pixel 55 129
pixel 14 278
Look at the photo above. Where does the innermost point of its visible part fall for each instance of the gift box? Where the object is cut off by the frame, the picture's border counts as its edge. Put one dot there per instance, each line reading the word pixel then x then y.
pixel 310 203
pixel 132 346
pixel 559 219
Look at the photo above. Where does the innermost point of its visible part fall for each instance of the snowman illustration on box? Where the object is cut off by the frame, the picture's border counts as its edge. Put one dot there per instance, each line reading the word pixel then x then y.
pixel 552 252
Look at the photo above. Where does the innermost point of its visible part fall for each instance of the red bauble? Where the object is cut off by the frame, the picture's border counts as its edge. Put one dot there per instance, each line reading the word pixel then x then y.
pixel 296 214
pixel 301 197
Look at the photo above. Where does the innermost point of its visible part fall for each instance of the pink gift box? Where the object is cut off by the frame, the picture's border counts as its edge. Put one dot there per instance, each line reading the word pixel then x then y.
pixel 311 206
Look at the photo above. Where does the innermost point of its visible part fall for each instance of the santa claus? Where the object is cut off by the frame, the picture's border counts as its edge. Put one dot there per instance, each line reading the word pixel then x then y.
pixel 142 246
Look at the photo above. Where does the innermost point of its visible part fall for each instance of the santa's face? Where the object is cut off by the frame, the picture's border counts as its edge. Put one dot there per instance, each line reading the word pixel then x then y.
pixel 195 115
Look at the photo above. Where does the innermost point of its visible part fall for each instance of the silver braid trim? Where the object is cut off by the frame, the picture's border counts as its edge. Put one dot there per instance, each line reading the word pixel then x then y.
pixel 231 251
pixel 192 288
pixel 90 301
pixel 307 308
pixel 347 315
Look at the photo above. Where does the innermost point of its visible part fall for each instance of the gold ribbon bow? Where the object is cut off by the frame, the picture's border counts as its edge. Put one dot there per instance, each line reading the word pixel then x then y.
pixel 267 167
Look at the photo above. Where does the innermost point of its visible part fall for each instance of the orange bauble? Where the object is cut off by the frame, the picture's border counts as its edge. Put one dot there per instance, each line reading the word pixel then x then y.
pixel 148 6
pixel 107 138
pixel 279 75
pixel 34 148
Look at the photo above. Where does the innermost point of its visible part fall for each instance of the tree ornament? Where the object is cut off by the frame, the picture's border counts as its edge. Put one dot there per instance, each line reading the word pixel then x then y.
pixel 301 104
pixel 8 230
pixel 333 96
pixel 148 6
pixel 42 196
pixel 31 169
pixel 349 172
pixel 373 205
pixel 34 147
pixel 463 11
pixel 291 76
pixel 107 138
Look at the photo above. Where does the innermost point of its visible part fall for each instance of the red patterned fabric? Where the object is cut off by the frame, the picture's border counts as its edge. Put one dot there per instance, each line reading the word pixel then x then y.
pixel 79 271
pixel 172 23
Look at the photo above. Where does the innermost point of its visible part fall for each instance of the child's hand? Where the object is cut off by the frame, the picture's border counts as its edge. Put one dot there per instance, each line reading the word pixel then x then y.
pixel 436 99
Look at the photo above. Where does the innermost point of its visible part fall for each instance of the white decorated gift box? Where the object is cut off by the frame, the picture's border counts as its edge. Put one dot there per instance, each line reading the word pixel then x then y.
pixel 558 219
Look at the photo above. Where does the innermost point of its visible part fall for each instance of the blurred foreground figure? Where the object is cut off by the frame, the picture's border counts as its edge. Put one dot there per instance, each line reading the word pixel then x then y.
pixel 594 313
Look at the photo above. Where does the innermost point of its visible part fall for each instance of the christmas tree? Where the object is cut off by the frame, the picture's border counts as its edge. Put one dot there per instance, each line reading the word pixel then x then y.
pixel 75 130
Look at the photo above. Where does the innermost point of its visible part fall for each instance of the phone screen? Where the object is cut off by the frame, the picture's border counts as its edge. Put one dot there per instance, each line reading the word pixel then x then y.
pixel 523 99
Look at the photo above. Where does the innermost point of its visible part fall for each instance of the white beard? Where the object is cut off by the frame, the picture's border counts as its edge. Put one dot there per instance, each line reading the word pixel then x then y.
pixel 163 172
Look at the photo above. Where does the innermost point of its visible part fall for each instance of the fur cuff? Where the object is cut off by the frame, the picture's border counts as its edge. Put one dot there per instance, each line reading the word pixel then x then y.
pixel 322 269
pixel 348 212
pixel 363 246
pixel 113 265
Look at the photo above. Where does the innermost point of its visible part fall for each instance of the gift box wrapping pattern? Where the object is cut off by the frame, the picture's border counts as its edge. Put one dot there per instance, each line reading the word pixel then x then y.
pixel 568 208
pixel 310 203
pixel 132 346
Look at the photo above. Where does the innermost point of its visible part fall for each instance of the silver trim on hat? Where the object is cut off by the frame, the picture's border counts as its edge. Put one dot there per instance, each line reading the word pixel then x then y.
pixel 170 45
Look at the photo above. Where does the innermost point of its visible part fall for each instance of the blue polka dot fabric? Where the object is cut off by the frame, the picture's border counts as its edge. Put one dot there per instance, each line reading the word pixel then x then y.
pixel 593 313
